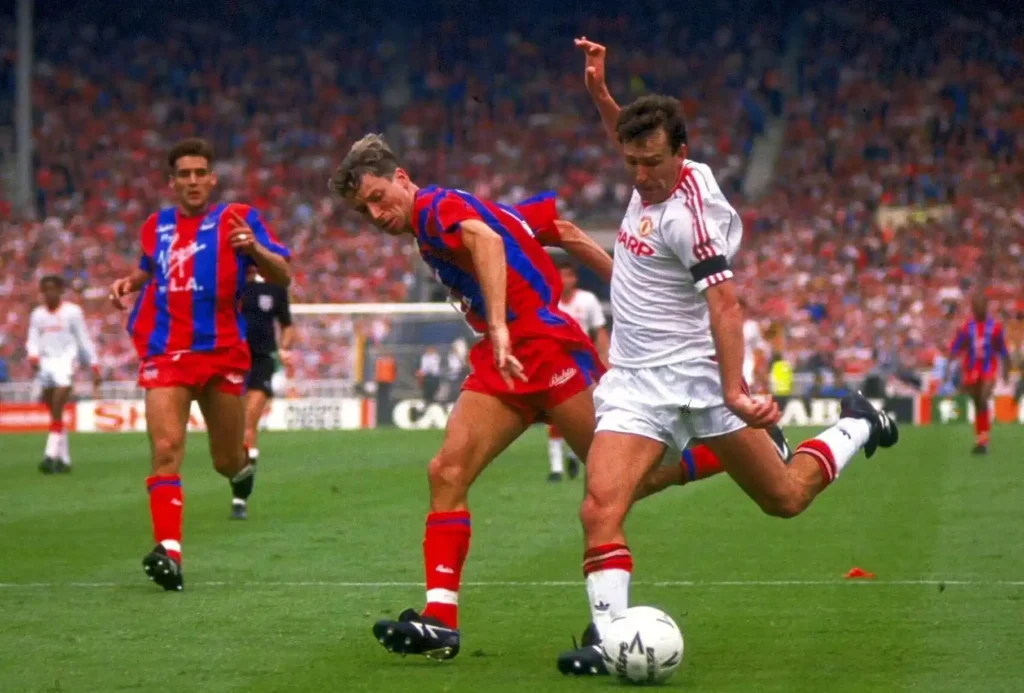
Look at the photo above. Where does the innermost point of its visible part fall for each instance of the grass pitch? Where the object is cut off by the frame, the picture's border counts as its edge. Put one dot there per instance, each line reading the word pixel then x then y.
pixel 285 601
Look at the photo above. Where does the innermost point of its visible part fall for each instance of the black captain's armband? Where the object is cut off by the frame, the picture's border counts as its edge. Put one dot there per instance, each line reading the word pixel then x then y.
pixel 705 269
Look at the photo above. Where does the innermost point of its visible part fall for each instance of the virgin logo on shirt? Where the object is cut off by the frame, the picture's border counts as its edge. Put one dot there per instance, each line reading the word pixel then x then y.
pixel 172 261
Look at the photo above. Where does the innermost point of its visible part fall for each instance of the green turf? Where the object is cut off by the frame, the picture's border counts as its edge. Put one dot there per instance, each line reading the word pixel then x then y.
pixel 267 607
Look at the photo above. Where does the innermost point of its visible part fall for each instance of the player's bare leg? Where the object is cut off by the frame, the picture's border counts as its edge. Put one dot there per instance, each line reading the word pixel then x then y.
pixel 52 449
pixel 167 410
pixel 617 465
pixel 224 414
pixel 58 401
pixel 255 404
pixel 479 429
pixel 781 490
pixel 980 393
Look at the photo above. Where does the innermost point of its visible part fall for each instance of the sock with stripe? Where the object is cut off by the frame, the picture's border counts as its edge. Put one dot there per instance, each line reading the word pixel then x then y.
pixel 54 440
pixel 699 463
pixel 165 508
pixel 836 446
pixel 607 569
pixel 445 547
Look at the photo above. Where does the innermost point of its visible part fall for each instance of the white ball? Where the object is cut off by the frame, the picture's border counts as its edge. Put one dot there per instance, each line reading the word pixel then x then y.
pixel 643 645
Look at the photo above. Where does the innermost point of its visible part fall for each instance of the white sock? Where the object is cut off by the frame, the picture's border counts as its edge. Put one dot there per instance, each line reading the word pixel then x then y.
pixel 53 445
pixel 254 454
pixel 555 455
pixel 608 591
pixel 845 440
pixel 65 449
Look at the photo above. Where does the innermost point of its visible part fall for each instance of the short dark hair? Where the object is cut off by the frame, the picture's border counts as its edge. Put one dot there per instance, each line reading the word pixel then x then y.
pixel 55 279
pixel 370 155
pixel 192 146
pixel 642 118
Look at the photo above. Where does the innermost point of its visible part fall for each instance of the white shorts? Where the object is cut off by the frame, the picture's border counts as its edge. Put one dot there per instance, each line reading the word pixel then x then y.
pixel 672 404
pixel 55 373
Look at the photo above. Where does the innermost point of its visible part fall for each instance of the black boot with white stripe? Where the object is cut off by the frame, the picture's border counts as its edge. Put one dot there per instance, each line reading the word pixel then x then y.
pixel 413 634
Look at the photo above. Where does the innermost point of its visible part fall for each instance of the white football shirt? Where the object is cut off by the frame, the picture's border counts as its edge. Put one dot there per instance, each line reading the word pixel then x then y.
pixel 585 308
pixel 666 256
pixel 59 336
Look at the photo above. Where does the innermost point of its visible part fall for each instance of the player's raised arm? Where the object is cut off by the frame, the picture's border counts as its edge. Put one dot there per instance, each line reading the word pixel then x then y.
pixel 598 87
pixel 488 252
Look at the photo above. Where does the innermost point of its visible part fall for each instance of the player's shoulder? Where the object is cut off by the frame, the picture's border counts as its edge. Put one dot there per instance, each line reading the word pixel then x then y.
pixel 701 175
pixel 70 308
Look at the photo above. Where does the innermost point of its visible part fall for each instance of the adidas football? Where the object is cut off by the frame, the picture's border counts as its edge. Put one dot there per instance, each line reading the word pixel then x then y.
pixel 643 645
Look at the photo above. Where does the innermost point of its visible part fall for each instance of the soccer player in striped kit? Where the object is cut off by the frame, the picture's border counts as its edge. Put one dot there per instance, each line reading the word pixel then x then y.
pixel 191 338
pixel 980 345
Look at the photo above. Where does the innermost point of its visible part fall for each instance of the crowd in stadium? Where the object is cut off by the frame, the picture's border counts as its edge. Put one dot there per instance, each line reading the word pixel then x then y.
pixel 874 117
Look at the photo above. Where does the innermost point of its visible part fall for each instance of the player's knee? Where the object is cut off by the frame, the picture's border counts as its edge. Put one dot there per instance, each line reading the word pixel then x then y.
pixel 782 504
pixel 446 474
pixel 598 512
pixel 229 463
pixel 167 453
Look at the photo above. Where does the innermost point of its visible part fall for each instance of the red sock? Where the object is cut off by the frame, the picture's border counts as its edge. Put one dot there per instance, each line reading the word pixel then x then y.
pixel 823 455
pixel 57 426
pixel 445 546
pixel 982 424
pixel 165 506
pixel 699 463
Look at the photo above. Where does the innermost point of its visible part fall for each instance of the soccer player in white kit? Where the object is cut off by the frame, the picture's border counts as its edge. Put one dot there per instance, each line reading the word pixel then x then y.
pixel 585 308
pixel 677 358
pixel 56 338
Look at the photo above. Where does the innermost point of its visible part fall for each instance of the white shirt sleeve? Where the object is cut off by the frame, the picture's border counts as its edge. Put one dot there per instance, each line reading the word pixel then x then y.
pixel 32 348
pixel 86 350
pixel 595 314
pixel 696 227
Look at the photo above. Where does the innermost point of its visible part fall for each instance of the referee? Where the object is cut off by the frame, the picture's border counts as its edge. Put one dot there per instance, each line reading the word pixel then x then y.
pixel 262 304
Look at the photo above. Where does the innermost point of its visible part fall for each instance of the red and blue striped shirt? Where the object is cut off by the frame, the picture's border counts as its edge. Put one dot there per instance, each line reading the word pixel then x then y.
pixel 980 344
pixel 534 284
pixel 191 301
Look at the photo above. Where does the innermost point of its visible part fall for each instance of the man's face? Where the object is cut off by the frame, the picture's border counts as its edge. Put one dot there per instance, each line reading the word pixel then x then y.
pixel 385 203
pixel 568 279
pixel 653 166
pixel 980 306
pixel 51 293
pixel 193 181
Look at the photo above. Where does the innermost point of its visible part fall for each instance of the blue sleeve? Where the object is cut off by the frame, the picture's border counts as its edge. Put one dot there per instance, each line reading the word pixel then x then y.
pixel 264 235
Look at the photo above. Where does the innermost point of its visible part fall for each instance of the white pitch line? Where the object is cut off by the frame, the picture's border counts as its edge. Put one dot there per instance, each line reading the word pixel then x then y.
pixel 519 584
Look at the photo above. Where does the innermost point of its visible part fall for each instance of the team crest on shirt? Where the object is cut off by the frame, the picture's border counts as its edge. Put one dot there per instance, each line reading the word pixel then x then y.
pixel 266 303
pixel 646 227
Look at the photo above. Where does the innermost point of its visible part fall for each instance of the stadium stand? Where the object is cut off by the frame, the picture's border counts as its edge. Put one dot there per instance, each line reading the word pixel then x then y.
pixel 899 181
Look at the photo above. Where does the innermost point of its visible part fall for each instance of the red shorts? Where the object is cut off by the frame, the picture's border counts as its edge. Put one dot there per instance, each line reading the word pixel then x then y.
pixel 558 365
pixel 973 376
pixel 224 368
